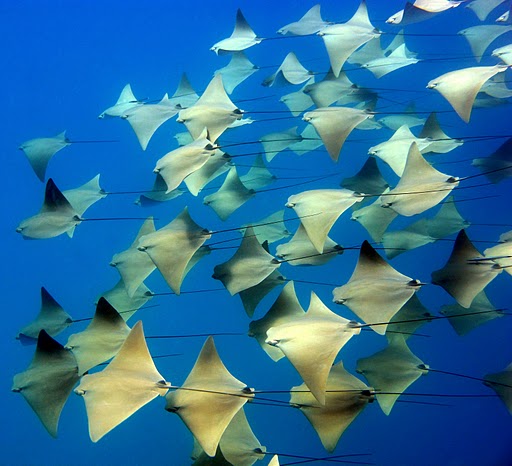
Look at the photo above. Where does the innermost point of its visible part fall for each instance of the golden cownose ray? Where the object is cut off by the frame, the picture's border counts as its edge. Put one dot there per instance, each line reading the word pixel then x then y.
pixel 374 218
pixel 501 383
pixel 56 216
pixel 419 178
pixel 447 221
pixel 250 265
pixel 496 87
pixel 412 237
pixel 504 54
pixel 372 50
pixel 399 58
pixel 158 193
pixel 209 398
pixel 85 196
pixel 215 166
pixel 179 163
pixel 102 338
pixel 258 176
pixel 464 320
pixel 48 381
pixel 274 461
pixel 494 166
pixel 172 247
pixel 310 141
pixel 273 143
pixel 125 304
pixel 52 318
pixel 331 89
pixel 375 291
pixel 230 196
pixel 334 124
pixel 408 118
pixel 465 275
pixel 395 150
pixel 299 101
pixel 252 296
pixel 241 38
pixel 480 37
pixel 237 71
pixel 290 71
pixel 421 10
pixel 319 209
pixel 501 254
pixel 341 40
pixel 391 370
pixel 412 315
pixel 300 250
pixel 133 265
pixel 285 310
pixel 129 382
pixel 368 179
pixel 39 151
pixel 214 111
pixel 238 445
pixel 345 398
pixel 125 102
pixel 482 8
pixel 310 23
pixel 460 87
pixel 146 119
pixel 311 342
pixel 440 142
pixel 184 96
pixel 270 229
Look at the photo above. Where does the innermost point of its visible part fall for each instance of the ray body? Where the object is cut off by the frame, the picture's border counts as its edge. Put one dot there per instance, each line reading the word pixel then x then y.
pixel 310 23
pixel 290 71
pixel 258 176
pixel 440 142
pixel 447 221
pixel 482 8
pixel 368 179
pixel 215 166
pixel 396 60
pixel 310 141
pixel 158 193
pixel 496 87
pixel 480 37
pixel 252 296
pixel 274 231
pixel 241 38
pixel 501 254
pixel 331 89
pixel 126 102
pixel 298 101
pixel 411 316
pixel 501 382
pixel 500 159
pixel 421 10
pixel 237 71
pixel 412 237
pixel 273 143
pixel 85 196
pixel 125 304
pixel 184 96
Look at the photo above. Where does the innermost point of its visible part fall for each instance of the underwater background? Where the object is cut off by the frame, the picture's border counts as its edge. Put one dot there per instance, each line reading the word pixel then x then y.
pixel 67 61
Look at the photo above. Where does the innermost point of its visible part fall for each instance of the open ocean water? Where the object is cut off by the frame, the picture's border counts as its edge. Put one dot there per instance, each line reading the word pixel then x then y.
pixel 67 61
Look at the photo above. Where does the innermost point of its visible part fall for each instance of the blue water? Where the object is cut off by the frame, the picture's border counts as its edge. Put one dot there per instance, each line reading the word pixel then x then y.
pixel 65 62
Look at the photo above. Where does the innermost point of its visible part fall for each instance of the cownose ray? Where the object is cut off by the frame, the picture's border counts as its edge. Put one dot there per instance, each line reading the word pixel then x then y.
pixel 465 320
pixel 172 247
pixel 230 196
pixel 496 87
pixel 184 96
pixel 269 229
pixel 371 51
pixel 501 383
pixel 237 71
pixel 334 124
pixel 465 274
pixel 376 291
pixel 258 175
pixel 501 254
pixel 480 37
pixel 300 250
pixel 290 71
pixel 250 265
pixel 374 219
pixel 298 101
pixel 52 318
pixel 214 111
pixel 409 118
pixel 346 397
pixel 39 151
pixel 179 163
pixel 505 17
pixel 311 342
pixel 102 338
pixel 494 165
pixel 395 150
pixel 460 87
pixel 209 398
pixel 146 119
pixel 285 309
pixel 392 370
pixel 157 193
pixel 48 380
pixel 399 58
pixel 408 197
pixel 440 142
pixel 85 196
pixel 341 40
pixel 482 8
pixel 421 10
pixel 310 23
pixel 411 316
pixel 252 296
pixel 333 89
pixel 57 216
pixel 125 102
pixel 129 382
pixel 447 221
pixel 124 304
pixel 215 166
pixel 368 179
pixel 319 209
pixel 241 38
pixel 275 142
pixel 308 143
pixel 133 265
pixel 238 445
pixel 413 236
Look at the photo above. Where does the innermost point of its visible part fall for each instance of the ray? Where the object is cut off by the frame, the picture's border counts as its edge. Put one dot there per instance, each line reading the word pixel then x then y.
pixel 412 237
pixel 242 37
pixel 126 102
pixel 205 401
pixel 308 143
pixel 310 23
pixel 129 382
pixel 460 87
pixel 311 342
pixel 290 71
pixel 398 59
pixel 258 176
pixel 48 381
pixel 411 316
pixel 408 118
pixel 501 382
pixel 273 143
pixel 84 196
pixel 184 96
pixel 482 8
pixel 447 221
pixel 494 166
pixel 480 37
pixel 158 193
pixel 237 71
pixel 332 89
pixel 252 296
pixel 215 166
pixel 505 17
pixel 298 101
pixel 440 142
pixel 368 179
pixel 421 10
pixel 463 276
pixel 375 291
pixel 496 87
pixel 125 304
pixel 272 228
pixel 501 254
